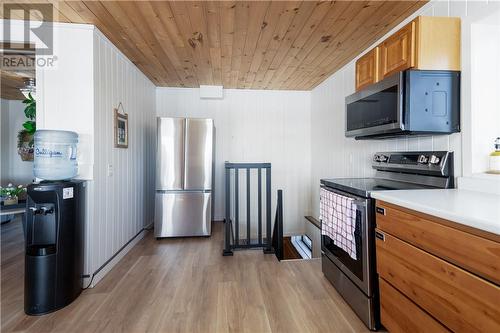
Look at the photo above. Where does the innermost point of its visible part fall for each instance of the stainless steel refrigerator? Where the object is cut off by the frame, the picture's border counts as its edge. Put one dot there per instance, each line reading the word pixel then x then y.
pixel 184 177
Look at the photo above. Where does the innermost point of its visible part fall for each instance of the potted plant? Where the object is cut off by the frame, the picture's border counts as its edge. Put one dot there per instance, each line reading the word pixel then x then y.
pixel 25 140
pixel 10 194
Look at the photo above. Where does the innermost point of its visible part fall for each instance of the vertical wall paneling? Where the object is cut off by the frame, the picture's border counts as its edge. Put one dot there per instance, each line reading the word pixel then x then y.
pixel 123 184
pixel 334 155
pixel 255 126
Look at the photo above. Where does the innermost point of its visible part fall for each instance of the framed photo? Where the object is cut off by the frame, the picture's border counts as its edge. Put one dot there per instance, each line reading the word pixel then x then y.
pixel 121 129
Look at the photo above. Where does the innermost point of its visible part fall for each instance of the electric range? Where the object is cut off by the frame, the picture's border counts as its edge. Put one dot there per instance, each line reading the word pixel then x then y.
pixel 356 279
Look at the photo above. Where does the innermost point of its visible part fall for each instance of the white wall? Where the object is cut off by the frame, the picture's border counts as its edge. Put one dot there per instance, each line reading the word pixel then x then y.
pixel 255 126
pixel 485 86
pixel 123 200
pixel 333 155
pixel 90 77
pixel 13 169
pixel 64 90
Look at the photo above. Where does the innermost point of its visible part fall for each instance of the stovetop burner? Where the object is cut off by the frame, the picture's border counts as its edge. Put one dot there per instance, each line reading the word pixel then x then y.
pixel 363 186
pixel 401 171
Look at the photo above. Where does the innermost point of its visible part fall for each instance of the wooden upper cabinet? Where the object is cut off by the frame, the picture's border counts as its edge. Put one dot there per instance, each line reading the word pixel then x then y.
pixel 427 43
pixel 437 43
pixel 397 52
pixel 367 69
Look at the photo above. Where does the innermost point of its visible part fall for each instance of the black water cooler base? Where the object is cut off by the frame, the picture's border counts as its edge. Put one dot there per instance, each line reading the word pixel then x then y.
pixel 54 246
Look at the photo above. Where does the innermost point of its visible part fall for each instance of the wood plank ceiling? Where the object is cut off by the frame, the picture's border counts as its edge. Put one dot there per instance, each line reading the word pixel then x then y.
pixel 239 44
pixel 10 83
pixel 12 80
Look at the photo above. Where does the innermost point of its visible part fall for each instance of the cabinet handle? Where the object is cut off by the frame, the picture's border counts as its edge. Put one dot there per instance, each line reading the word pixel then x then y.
pixel 380 236
pixel 380 210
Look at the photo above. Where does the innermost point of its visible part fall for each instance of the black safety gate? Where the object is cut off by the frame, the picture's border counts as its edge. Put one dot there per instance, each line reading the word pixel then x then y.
pixel 232 237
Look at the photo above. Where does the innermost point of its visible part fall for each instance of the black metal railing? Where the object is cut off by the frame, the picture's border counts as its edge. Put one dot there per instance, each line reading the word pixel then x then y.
pixel 232 234
pixel 278 227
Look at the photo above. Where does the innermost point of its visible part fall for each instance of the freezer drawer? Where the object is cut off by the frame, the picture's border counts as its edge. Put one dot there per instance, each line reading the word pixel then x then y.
pixel 198 154
pixel 182 214
pixel 170 154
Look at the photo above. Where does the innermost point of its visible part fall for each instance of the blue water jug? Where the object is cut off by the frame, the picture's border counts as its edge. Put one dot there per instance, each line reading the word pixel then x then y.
pixel 55 154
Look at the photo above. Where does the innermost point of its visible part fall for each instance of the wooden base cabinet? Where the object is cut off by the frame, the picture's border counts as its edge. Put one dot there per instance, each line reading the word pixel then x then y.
pixel 400 315
pixel 427 43
pixel 414 279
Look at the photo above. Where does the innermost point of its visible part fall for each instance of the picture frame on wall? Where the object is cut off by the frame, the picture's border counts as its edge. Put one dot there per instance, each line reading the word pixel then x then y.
pixel 121 128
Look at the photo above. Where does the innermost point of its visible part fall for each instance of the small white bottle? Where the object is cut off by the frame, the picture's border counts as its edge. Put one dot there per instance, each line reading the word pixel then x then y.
pixel 495 158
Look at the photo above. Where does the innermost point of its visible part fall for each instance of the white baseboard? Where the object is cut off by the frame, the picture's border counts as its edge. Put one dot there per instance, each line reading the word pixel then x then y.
pixel 109 266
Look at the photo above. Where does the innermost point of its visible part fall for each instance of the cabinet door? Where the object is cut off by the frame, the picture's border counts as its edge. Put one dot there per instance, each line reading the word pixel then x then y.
pixel 399 314
pixel 367 69
pixel 397 52
pixel 459 300
pixel 471 252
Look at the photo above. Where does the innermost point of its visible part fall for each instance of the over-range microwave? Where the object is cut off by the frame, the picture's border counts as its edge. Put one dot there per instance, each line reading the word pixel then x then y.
pixel 412 102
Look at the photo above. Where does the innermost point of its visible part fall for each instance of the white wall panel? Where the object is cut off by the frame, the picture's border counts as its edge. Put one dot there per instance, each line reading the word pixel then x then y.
pixel 255 126
pixel 334 155
pixel 65 92
pixel 122 202
pixel 13 169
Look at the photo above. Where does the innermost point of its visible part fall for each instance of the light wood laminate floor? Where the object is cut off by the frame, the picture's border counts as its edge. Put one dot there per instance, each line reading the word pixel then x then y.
pixel 184 285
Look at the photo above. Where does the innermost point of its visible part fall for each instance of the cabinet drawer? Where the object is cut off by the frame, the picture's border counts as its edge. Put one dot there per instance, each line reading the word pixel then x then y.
pixel 459 300
pixel 397 52
pixel 471 252
pixel 399 314
pixel 367 69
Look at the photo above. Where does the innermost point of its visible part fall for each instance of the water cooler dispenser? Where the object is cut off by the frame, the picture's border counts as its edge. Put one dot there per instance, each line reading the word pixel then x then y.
pixel 54 245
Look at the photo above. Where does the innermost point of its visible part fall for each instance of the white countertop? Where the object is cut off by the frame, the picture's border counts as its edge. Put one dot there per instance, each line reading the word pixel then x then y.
pixel 475 209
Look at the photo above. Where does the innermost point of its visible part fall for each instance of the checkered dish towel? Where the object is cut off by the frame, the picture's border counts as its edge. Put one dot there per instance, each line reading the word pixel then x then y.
pixel 338 220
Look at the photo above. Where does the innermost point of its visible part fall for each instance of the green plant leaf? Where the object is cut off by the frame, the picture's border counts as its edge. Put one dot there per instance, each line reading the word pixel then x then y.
pixel 30 126
pixel 30 113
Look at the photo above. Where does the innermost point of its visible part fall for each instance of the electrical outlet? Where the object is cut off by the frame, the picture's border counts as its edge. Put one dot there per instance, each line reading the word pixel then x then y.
pixel 110 170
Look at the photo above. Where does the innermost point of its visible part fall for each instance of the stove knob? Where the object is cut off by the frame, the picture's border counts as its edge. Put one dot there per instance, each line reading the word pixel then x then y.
pixel 383 158
pixel 422 159
pixel 376 158
pixel 434 159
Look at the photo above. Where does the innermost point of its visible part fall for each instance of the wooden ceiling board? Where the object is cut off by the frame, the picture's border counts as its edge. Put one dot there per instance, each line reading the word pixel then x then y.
pixel 319 34
pixel 239 44
pixel 12 80
pixel 288 15
pixel 11 83
pixel 338 57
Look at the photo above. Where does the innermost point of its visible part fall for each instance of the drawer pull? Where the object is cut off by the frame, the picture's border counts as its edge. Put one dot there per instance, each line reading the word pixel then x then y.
pixel 380 235
pixel 380 210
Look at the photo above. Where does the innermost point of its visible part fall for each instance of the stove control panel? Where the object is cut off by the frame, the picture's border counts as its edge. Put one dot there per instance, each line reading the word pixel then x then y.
pixel 428 161
pixel 380 158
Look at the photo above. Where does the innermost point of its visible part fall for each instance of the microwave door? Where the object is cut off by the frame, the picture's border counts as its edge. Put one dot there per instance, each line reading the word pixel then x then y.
pixel 377 109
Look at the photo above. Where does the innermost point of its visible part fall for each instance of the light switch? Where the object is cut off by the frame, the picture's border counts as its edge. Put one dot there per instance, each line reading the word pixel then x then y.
pixel 110 170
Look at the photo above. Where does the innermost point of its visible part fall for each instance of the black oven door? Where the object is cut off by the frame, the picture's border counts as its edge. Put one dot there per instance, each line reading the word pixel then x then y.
pixel 377 109
pixel 360 271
